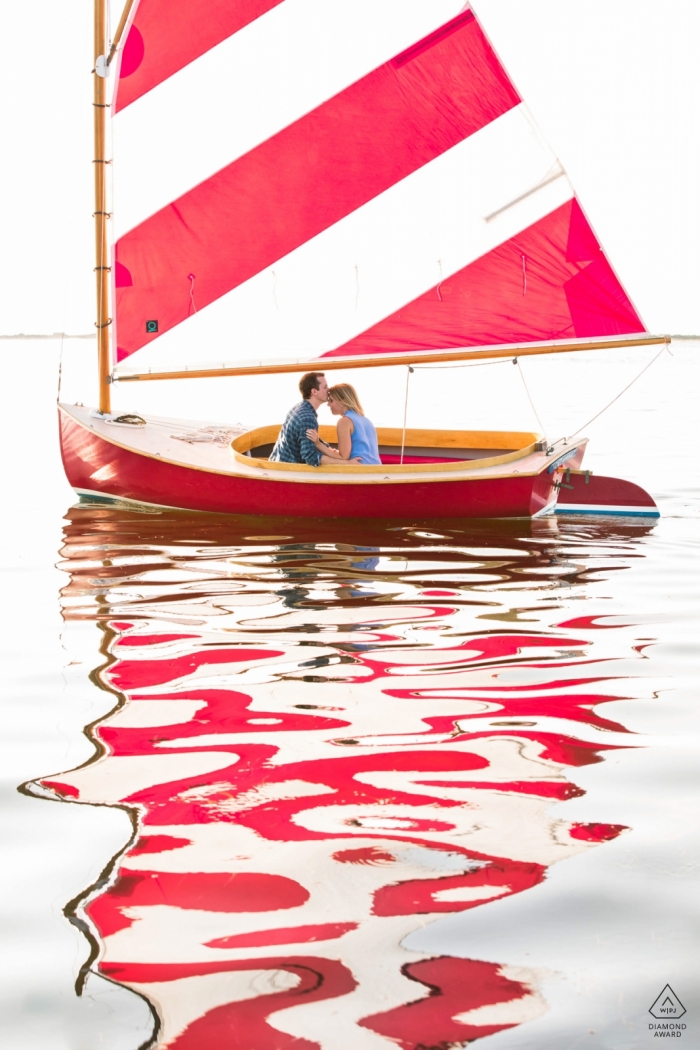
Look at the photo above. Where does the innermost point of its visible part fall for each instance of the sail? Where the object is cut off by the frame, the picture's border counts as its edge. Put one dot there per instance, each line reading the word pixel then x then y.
pixel 298 180
pixel 166 35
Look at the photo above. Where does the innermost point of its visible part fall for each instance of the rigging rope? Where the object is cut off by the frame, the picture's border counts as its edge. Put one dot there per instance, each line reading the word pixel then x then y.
pixel 529 397
pixel 60 364
pixel 623 391
pixel 405 412
pixel 465 364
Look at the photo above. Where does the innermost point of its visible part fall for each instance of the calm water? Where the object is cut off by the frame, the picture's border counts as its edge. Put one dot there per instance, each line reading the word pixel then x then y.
pixel 325 785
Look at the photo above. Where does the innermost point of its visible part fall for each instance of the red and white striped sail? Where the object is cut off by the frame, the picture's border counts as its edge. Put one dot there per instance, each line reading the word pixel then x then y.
pixel 299 179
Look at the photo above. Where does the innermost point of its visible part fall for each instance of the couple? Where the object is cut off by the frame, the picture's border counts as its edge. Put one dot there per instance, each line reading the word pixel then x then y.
pixel 298 440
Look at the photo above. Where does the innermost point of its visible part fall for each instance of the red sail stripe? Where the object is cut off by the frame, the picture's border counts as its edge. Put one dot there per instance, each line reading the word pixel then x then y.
pixel 166 35
pixel 306 178
pixel 492 301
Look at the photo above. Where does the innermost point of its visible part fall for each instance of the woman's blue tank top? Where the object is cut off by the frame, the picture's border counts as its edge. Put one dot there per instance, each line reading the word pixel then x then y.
pixel 364 439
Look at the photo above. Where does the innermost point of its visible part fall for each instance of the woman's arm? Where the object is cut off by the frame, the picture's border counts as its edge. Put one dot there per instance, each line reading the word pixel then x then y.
pixel 330 455
pixel 337 460
pixel 345 428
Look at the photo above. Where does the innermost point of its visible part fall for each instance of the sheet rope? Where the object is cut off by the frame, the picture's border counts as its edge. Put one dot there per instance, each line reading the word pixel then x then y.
pixel 623 391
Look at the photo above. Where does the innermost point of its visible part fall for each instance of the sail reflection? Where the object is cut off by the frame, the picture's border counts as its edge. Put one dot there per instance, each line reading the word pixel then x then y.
pixel 329 745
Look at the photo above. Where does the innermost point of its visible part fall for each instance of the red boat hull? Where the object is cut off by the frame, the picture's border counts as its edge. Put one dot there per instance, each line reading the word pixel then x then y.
pixel 98 466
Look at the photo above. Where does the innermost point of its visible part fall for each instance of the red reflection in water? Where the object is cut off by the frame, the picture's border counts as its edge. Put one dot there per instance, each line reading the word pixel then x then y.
pixel 132 674
pixel 303 811
pixel 462 986
pixel 197 890
pixel 244 1021
pixel 325 931
pixel 156 844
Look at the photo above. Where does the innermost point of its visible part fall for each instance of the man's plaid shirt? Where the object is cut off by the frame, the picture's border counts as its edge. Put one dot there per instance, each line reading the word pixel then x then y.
pixel 292 445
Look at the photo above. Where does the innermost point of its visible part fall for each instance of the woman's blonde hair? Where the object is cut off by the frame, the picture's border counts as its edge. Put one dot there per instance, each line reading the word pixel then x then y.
pixel 347 395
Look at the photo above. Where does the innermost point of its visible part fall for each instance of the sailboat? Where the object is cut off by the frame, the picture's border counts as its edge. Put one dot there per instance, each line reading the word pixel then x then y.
pixel 302 186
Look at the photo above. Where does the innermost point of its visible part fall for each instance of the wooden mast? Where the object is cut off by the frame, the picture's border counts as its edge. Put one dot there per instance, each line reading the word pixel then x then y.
pixel 102 268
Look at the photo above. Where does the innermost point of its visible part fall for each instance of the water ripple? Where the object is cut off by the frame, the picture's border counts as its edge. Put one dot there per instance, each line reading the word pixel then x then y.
pixel 330 737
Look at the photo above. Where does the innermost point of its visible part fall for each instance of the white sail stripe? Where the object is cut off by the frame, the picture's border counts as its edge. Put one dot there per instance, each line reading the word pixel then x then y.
pixel 174 137
pixel 378 258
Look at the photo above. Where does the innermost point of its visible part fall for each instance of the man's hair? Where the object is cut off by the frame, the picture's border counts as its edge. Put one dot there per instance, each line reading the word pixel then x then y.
pixel 346 395
pixel 309 382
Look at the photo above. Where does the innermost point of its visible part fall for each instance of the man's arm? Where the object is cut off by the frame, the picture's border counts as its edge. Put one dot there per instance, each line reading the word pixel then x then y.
pixel 309 453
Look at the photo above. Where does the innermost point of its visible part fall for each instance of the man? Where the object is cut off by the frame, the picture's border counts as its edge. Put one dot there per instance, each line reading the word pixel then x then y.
pixel 292 445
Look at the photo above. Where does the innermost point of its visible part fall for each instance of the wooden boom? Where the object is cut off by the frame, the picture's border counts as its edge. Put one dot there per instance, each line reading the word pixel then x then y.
pixel 119 30
pixel 385 360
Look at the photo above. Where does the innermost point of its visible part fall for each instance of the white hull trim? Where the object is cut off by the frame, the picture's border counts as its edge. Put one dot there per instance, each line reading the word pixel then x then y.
pixel 124 501
pixel 551 508
pixel 616 511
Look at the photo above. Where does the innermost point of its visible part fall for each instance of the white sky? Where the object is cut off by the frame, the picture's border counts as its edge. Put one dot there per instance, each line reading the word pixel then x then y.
pixel 612 83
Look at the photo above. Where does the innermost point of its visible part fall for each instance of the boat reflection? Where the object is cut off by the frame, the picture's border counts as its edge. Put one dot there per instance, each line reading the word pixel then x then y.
pixel 332 736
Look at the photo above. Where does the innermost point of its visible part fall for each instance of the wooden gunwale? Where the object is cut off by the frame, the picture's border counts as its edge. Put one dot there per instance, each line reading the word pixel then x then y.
pixel 392 436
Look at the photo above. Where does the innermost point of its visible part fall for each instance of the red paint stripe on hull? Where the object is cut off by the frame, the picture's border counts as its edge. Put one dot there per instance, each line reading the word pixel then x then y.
pixel 93 464
pixel 308 177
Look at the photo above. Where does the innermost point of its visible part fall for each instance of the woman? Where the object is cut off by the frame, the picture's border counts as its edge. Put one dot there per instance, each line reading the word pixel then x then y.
pixel 357 438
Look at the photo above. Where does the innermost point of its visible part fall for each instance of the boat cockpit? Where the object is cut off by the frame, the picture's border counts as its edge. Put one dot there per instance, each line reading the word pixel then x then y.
pixel 410 448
